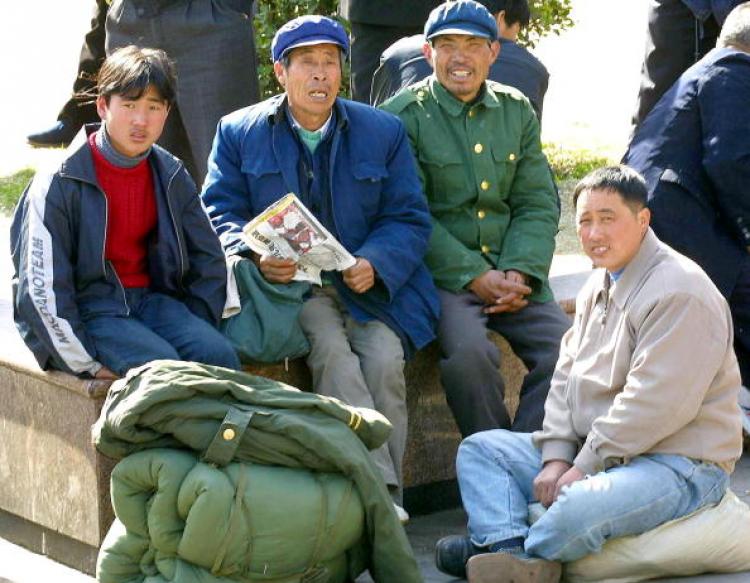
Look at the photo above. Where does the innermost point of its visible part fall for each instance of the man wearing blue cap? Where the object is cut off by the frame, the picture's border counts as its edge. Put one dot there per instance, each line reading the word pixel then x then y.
pixel 351 166
pixel 495 212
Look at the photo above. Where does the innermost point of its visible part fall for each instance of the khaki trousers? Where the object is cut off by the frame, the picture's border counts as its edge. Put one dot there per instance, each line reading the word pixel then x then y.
pixel 362 364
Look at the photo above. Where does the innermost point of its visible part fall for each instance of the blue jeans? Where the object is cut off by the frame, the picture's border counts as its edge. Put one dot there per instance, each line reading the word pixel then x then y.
pixel 159 327
pixel 496 470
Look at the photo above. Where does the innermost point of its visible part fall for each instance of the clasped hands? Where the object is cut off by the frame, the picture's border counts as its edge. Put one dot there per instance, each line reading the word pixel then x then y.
pixel 555 475
pixel 502 291
pixel 360 277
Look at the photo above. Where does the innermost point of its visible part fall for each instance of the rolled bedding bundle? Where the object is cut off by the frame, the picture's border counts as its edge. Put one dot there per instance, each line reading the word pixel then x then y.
pixel 181 520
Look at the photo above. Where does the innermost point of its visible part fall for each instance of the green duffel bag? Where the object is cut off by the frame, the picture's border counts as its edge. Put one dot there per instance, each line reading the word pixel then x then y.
pixel 184 521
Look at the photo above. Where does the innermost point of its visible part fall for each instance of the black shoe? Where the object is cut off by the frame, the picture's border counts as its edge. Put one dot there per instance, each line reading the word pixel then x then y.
pixel 452 553
pixel 58 136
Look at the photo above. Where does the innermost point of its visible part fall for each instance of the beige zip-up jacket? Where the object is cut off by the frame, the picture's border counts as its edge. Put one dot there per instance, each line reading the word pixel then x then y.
pixel 647 367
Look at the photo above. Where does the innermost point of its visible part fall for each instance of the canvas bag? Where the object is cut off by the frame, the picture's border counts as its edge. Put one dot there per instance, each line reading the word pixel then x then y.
pixel 267 327
pixel 713 539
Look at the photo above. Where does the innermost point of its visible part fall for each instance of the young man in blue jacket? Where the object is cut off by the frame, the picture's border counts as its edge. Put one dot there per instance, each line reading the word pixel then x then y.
pixel 116 263
pixel 352 167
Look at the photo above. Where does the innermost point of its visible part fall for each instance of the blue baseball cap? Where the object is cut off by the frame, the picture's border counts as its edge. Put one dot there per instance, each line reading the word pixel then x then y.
pixel 461 17
pixel 311 29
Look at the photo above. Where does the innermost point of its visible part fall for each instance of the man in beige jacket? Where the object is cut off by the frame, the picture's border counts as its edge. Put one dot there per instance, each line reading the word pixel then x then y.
pixel 641 422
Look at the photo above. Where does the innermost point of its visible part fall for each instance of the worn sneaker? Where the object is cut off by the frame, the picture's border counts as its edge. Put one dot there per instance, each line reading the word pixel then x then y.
pixel 511 567
pixel 452 552
pixel 403 515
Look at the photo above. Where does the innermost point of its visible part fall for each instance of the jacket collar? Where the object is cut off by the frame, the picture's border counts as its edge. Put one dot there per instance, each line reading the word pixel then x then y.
pixel 80 164
pixel 278 111
pixel 284 142
pixel 633 273
pixel 456 107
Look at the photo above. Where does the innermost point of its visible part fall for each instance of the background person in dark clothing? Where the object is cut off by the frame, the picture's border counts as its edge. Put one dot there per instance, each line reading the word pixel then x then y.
pixel 76 112
pixel 403 62
pixel 693 149
pixel 212 45
pixel 376 24
pixel 680 33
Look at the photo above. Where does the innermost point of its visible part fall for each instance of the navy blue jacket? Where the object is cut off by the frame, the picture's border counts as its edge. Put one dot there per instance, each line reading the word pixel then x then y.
pixel 694 151
pixel 403 64
pixel 719 9
pixel 379 210
pixel 62 278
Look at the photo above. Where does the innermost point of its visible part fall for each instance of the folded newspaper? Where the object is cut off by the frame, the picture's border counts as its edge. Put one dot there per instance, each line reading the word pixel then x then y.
pixel 287 230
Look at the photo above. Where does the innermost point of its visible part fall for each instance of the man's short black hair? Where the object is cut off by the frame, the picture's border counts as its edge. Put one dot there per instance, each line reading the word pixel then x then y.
pixel 131 70
pixel 620 179
pixel 515 10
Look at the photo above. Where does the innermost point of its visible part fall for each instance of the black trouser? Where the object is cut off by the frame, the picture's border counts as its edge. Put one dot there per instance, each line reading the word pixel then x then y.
pixel 469 370
pixel 687 223
pixel 83 110
pixel 368 43
pixel 739 304
pixel 675 40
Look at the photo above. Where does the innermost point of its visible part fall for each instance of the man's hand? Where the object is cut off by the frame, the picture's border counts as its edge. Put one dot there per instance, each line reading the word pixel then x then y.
pixel 486 286
pixel 572 475
pixel 105 374
pixel 360 277
pixel 502 294
pixel 513 300
pixel 276 270
pixel 545 483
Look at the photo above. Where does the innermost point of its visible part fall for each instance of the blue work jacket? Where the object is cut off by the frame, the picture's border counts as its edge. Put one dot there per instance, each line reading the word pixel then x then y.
pixel 379 210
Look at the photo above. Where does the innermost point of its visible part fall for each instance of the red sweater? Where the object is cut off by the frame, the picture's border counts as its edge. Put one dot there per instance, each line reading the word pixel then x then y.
pixel 131 218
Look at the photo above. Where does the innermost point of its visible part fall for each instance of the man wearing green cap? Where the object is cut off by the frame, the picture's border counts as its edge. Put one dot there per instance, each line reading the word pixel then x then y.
pixel 495 212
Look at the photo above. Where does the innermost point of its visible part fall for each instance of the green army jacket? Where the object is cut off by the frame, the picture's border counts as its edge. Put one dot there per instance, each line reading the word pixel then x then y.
pixel 493 201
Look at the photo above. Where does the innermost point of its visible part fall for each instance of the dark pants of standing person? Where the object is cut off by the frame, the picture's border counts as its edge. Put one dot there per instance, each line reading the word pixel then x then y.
pixel 689 224
pixel 739 305
pixel 368 43
pixel 83 110
pixel 470 371
pixel 212 45
pixel 675 40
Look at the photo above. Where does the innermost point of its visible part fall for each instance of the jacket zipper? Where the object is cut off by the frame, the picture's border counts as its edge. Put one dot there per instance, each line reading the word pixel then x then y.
pixel 331 164
pixel 176 232
pixel 104 247
pixel 607 294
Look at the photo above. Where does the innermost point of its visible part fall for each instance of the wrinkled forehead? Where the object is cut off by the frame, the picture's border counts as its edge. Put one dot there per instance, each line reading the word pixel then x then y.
pixel 316 49
pixel 459 37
